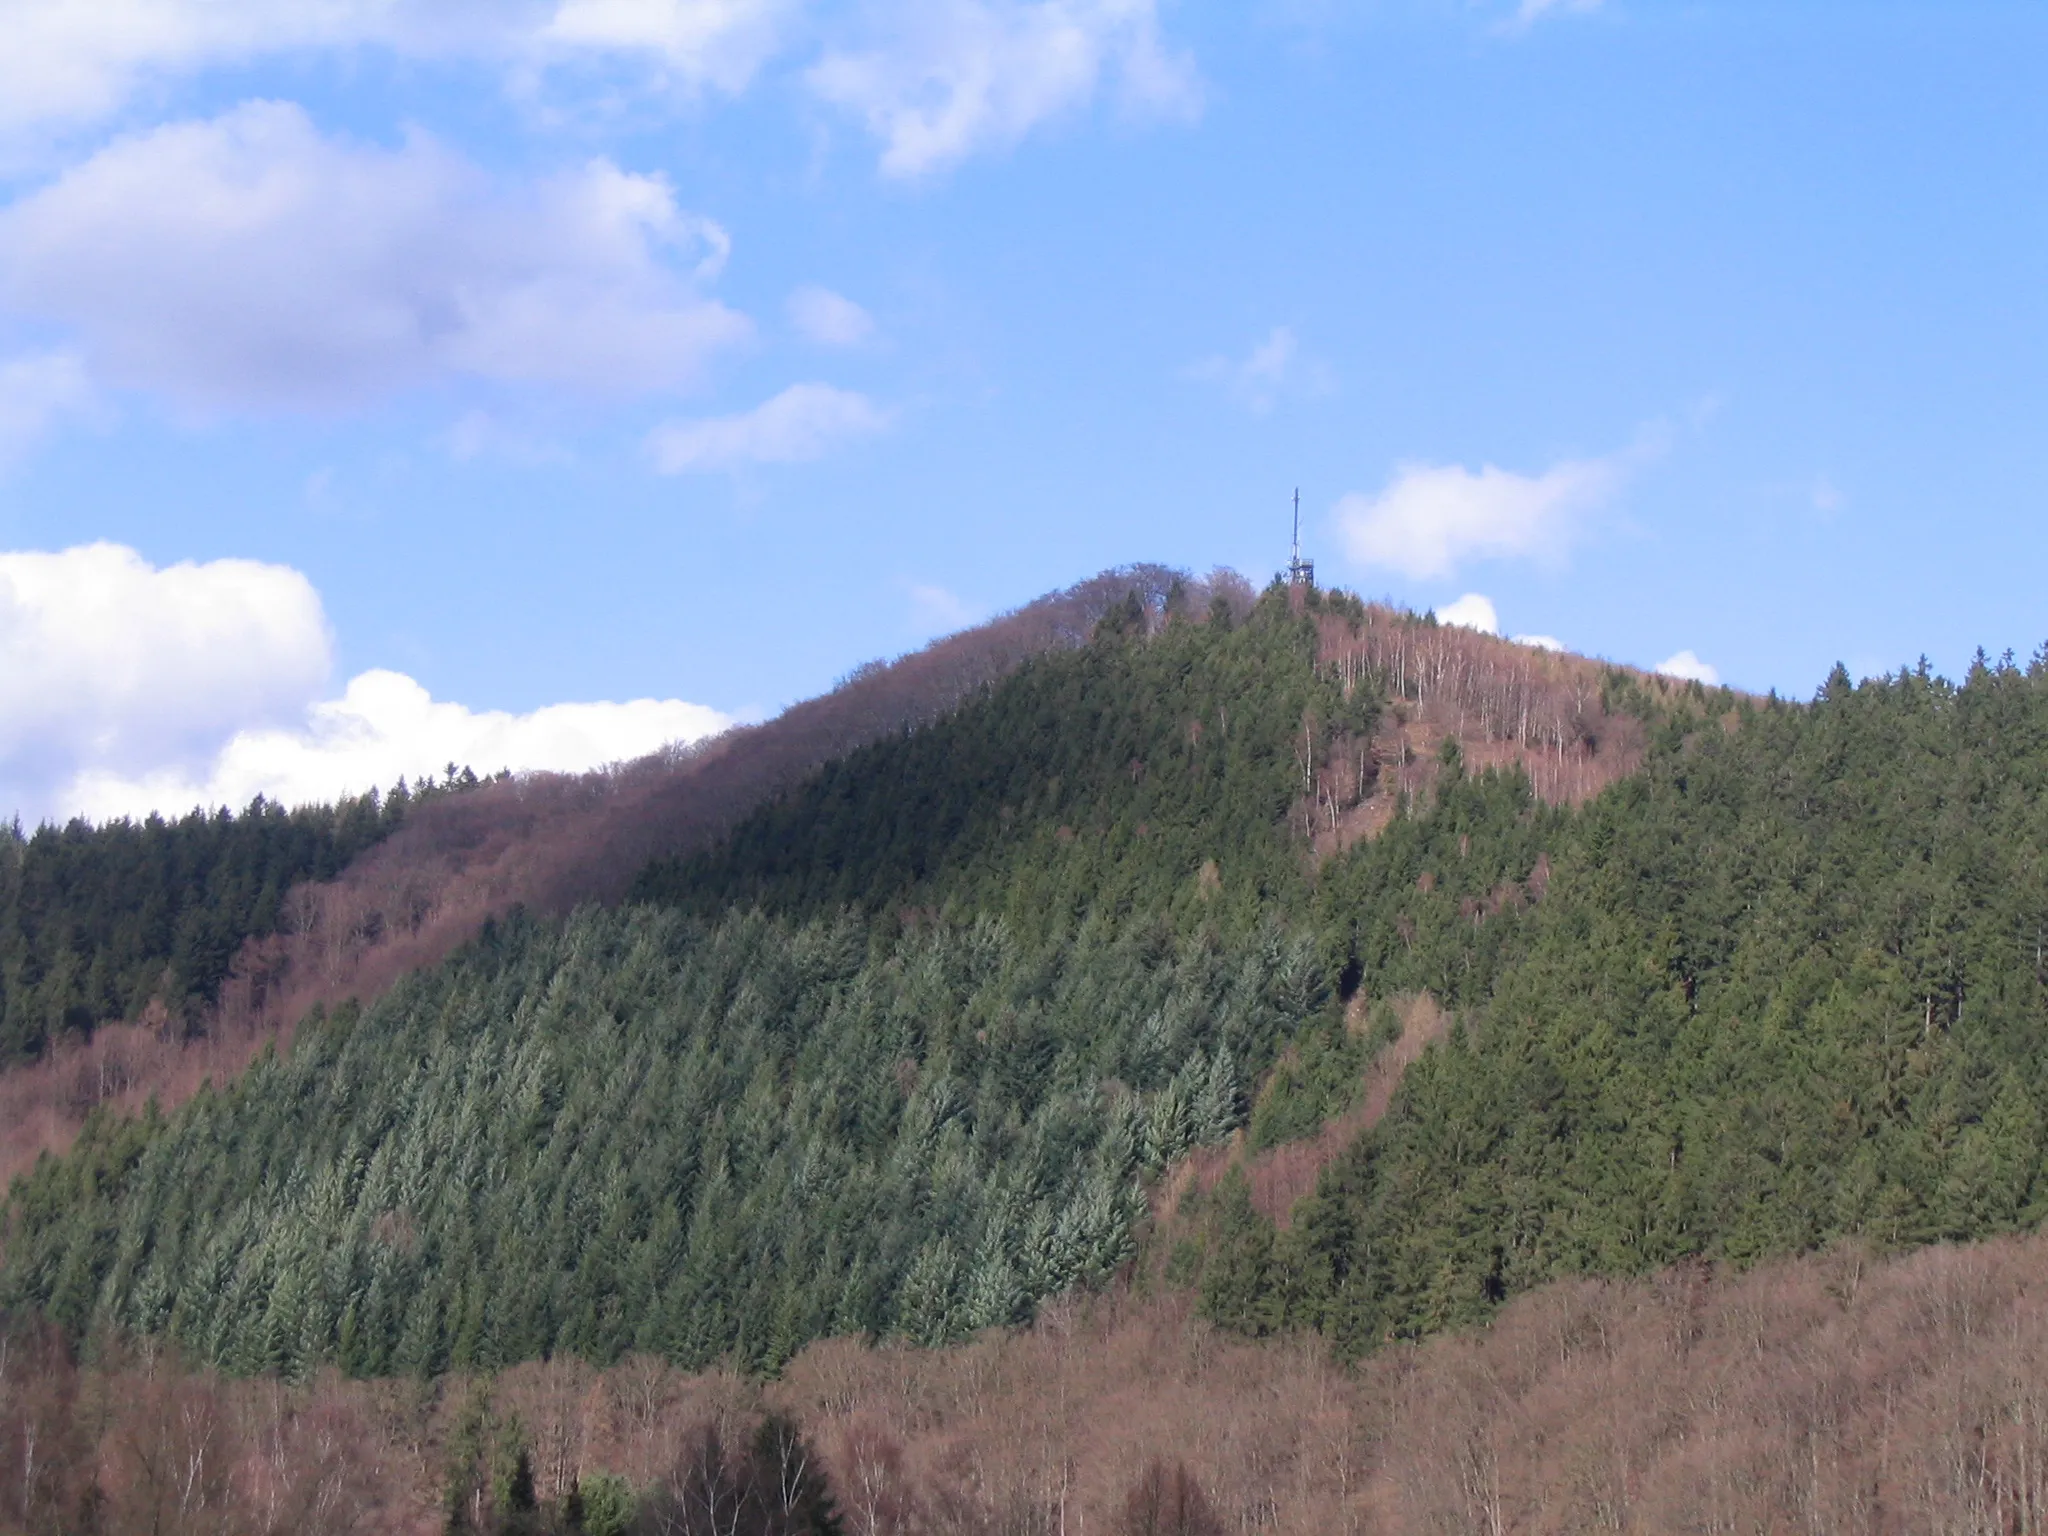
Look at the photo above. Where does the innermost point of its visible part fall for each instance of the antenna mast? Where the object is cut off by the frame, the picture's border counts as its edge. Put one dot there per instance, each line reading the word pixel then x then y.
pixel 1300 572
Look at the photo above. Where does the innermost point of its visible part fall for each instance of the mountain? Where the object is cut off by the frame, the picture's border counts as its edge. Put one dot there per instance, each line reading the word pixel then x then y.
pixel 1310 966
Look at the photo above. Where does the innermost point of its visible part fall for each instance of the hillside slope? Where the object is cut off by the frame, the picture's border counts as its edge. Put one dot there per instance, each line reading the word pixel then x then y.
pixel 104 923
pixel 903 1052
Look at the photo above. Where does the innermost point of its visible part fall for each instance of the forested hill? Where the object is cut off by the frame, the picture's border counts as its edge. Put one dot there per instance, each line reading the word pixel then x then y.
pixel 907 1051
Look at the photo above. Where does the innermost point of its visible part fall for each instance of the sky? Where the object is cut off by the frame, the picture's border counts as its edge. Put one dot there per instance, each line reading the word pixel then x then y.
pixel 385 383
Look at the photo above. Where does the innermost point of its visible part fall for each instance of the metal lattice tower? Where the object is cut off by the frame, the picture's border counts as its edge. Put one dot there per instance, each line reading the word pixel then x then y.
pixel 1300 572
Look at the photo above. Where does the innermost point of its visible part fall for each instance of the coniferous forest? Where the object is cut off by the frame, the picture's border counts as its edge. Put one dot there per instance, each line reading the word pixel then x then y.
pixel 1002 1013
pixel 97 922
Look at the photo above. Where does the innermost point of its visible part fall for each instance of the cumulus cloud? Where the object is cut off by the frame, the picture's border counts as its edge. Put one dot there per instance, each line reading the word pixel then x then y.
pixel 251 261
pixel 73 61
pixel 105 658
pixel 1476 611
pixel 38 390
pixel 805 421
pixel 1471 611
pixel 1432 518
pixel 829 319
pixel 955 77
pixel 386 726
pixel 127 687
pixel 1689 668
pixel 1272 368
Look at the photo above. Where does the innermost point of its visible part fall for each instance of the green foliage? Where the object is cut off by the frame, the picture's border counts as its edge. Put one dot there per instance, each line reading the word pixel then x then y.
pixel 1237 1289
pixel 783 1103
pixel 97 920
pixel 1316 1081
pixel 897 1056
pixel 1785 986
pixel 605 1505
pixel 1184 1264
pixel 638 1133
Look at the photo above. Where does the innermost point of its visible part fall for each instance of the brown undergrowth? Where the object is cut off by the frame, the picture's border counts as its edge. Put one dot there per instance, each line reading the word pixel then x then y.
pixel 1506 705
pixel 1831 1393
pixel 1279 1176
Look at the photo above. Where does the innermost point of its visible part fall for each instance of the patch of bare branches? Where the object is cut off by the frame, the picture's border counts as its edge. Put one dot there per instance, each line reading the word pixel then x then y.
pixel 1505 704
pixel 1834 1393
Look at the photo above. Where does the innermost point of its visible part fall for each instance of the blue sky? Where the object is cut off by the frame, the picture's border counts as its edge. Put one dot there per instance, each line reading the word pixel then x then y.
pixel 545 357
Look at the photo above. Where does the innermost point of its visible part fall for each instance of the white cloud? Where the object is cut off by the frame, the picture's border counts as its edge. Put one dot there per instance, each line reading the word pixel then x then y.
pixel 1272 368
pixel 386 726
pixel 70 62
pixel 1826 496
pixel 805 421
pixel 959 76
pixel 935 81
pixel 1434 517
pixel 1476 611
pixel 699 42
pixel 1688 667
pixel 1471 612
pixel 37 390
pixel 250 261
pixel 106 659
pixel 126 688
pixel 829 319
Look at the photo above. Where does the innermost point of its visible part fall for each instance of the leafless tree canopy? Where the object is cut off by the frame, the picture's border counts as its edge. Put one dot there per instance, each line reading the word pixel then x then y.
pixel 1836 1393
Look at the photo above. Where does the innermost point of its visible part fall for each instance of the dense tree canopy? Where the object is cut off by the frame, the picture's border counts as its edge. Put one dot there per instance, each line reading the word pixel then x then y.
pixel 1783 987
pixel 1097 781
